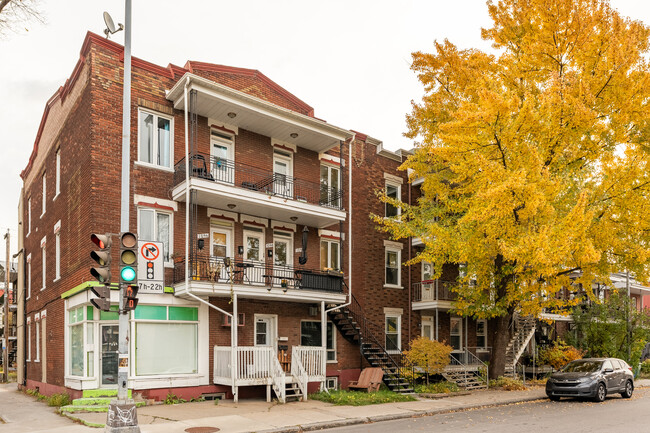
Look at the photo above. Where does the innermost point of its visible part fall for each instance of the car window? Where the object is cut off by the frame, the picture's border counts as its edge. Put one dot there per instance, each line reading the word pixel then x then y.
pixel 607 364
pixel 617 365
pixel 582 366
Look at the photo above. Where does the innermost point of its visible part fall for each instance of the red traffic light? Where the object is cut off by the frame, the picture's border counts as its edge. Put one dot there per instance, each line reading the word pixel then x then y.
pixel 102 241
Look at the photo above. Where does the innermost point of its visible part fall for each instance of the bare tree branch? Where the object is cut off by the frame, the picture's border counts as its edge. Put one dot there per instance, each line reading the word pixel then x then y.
pixel 15 14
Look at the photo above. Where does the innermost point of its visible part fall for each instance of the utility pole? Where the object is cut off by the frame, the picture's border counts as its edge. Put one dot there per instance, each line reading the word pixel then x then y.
pixel 627 314
pixel 127 422
pixel 5 349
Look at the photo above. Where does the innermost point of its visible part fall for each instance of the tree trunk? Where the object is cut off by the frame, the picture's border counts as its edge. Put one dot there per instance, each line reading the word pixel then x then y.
pixel 500 340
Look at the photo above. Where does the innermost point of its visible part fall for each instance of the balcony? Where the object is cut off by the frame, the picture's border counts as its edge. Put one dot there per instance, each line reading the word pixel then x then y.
pixel 222 183
pixel 217 276
pixel 430 294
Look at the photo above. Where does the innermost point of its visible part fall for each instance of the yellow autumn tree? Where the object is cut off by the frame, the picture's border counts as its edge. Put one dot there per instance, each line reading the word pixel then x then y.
pixel 534 158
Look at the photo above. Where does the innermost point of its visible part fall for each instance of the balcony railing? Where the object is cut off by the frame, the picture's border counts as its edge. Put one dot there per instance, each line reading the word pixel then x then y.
pixel 240 175
pixel 434 290
pixel 226 270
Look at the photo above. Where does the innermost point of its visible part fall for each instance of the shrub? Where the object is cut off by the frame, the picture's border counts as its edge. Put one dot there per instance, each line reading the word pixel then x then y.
pixel 508 384
pixel 59 400
pixel 429 355
pixel 438 388
pixel 645 367
pixel 357 398
pixel 559 354
pixel 173 399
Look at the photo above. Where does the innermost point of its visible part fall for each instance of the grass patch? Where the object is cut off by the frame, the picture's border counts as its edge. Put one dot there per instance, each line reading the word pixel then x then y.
pixel 357 398
pixel 59 400
pixel 437 388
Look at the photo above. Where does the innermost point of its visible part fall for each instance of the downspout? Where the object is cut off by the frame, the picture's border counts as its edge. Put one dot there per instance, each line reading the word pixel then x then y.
pixel 410 283
pixel 349 240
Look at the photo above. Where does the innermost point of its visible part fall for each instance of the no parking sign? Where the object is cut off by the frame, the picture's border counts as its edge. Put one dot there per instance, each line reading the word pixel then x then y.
pixel 151 267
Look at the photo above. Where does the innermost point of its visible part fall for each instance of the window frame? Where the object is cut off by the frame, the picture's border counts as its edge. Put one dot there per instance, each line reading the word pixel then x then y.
pixel 156 211
pixel 398 194
pixel 29 216
pixel 44 201
pixel 329 167
pixel 484 334
pixel 398 332
pixel 44 264
pixel 29 341
pixel 29 276
pixel 57 183
pixel 330 244
pixel 328 350
pixel 398 251
pixel 260 235
pixel 154 144
pixel 38 341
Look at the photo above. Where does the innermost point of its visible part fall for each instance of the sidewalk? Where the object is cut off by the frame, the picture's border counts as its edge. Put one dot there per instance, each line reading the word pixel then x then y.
pixel 24 414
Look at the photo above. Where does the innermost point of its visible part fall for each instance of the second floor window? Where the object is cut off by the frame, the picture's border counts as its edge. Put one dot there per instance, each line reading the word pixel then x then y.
pixel 155 139
pixel 44 194
pixel 154 225
pixel 329 255
pixel 392 191
pixel 330 189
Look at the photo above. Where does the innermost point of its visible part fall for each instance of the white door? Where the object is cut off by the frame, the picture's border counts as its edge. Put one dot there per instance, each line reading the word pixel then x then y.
pixel 282 259
pixel 220 248
pixel 221 157
pixel 428 285
pixel 456 337
pixel 427 328
pixel 282 175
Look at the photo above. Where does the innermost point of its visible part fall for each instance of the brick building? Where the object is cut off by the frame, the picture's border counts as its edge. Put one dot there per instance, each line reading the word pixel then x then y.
pixel 275 203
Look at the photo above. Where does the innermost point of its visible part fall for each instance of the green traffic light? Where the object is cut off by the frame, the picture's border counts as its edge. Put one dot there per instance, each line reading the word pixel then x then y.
pixel 128 273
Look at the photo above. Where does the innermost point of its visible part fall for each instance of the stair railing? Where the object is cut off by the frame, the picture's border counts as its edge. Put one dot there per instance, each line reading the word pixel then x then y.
pixel 298 371
pixel 367 336
pixel 278 378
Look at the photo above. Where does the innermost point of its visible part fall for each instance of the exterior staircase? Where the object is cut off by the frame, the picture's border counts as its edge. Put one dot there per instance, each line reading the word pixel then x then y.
pixel 292 390
pixel 465 378
pixel 524 331
pixel 354 326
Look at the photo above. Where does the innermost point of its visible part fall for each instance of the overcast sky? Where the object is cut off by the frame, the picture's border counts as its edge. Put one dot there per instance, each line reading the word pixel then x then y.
pixel 348 59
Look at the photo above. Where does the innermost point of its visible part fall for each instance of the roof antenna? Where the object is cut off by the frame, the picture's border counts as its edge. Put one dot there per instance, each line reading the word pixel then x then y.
pixel 110 26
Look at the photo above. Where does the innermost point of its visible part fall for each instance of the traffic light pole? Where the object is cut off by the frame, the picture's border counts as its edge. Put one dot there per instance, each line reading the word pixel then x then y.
pixel 123 405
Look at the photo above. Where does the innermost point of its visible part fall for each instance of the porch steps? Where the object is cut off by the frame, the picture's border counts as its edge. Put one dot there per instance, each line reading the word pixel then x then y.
pixel 293 392
pixel 347 322
pixel 464 379
pixel 525 330
pixel 95 400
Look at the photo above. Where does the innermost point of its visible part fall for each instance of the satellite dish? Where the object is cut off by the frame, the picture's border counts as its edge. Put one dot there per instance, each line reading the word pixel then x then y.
pixel 110 25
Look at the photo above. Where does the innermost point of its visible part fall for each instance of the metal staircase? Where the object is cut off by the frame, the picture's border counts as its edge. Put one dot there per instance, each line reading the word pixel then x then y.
pixel 467 371
pixel 356 328
pixel 524 331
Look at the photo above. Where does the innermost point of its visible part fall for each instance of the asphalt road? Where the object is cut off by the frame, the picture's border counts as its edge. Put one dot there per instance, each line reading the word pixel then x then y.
pixel 614 415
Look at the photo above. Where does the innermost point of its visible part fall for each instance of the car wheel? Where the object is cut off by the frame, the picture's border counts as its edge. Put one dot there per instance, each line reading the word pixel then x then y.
pixel 629 389
pixel 554 398
pixel 601 392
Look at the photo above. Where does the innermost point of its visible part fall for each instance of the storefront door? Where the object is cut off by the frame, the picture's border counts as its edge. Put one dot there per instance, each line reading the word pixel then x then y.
pixel 109 354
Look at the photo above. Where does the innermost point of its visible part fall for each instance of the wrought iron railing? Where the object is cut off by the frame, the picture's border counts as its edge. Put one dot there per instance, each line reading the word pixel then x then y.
pixel 252 178
pixel 434 290
pixel 228 270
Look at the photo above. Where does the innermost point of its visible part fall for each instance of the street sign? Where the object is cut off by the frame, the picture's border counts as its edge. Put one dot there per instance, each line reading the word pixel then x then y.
pixel 151 267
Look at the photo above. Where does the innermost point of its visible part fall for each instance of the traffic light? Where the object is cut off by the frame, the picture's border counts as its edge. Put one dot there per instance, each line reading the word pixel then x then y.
pixel 102 257
pixel 128 258
pixel 130 298
pixel 103 301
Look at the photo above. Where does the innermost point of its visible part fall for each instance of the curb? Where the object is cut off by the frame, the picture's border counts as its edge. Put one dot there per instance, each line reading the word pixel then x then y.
pixel 379 418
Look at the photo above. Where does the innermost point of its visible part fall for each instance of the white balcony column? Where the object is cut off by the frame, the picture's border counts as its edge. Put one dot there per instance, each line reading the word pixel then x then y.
pixel 234 324
pixel 323 331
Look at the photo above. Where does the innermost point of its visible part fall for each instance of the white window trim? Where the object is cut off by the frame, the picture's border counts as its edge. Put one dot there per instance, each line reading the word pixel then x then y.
pixel 330 165
pixel 330 244
pixel 170 263
pixel 398 186
pixel 44 263
pixel 460 320
pixel 57 184
pixel 57 253
pixel 29 339
pixel 37 322
pixel 399 330
pixel 155 144
pixel 29 216
pixel 261 235
pixel 398 251
pixel 485 335
pixel 44 200
pixel 29 276
pixel 334 332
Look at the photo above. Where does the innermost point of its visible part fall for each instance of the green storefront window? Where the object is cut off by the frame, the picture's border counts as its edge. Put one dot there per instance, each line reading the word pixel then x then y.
pixel 184 313
pixel 151 312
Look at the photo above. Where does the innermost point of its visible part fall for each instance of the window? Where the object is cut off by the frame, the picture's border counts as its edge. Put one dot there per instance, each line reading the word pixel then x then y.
pixel 253 244
pixel 57 189
pixel 44 195
pixel 29 341
pixel 29 216
pixel 57 249
pixel 455 333
pixel 78 352
pixel 393 337
pixel 310 335
pixel 155 225
pixel 481 334
pixel 330 190
pixel 44 262
pixel 29 276
pixel 38 342
pixel 155 139
pixel 222 156
pixel 282 174
pixel 178 327
pixel 329 255
pixel 393 267
pixel 393 191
